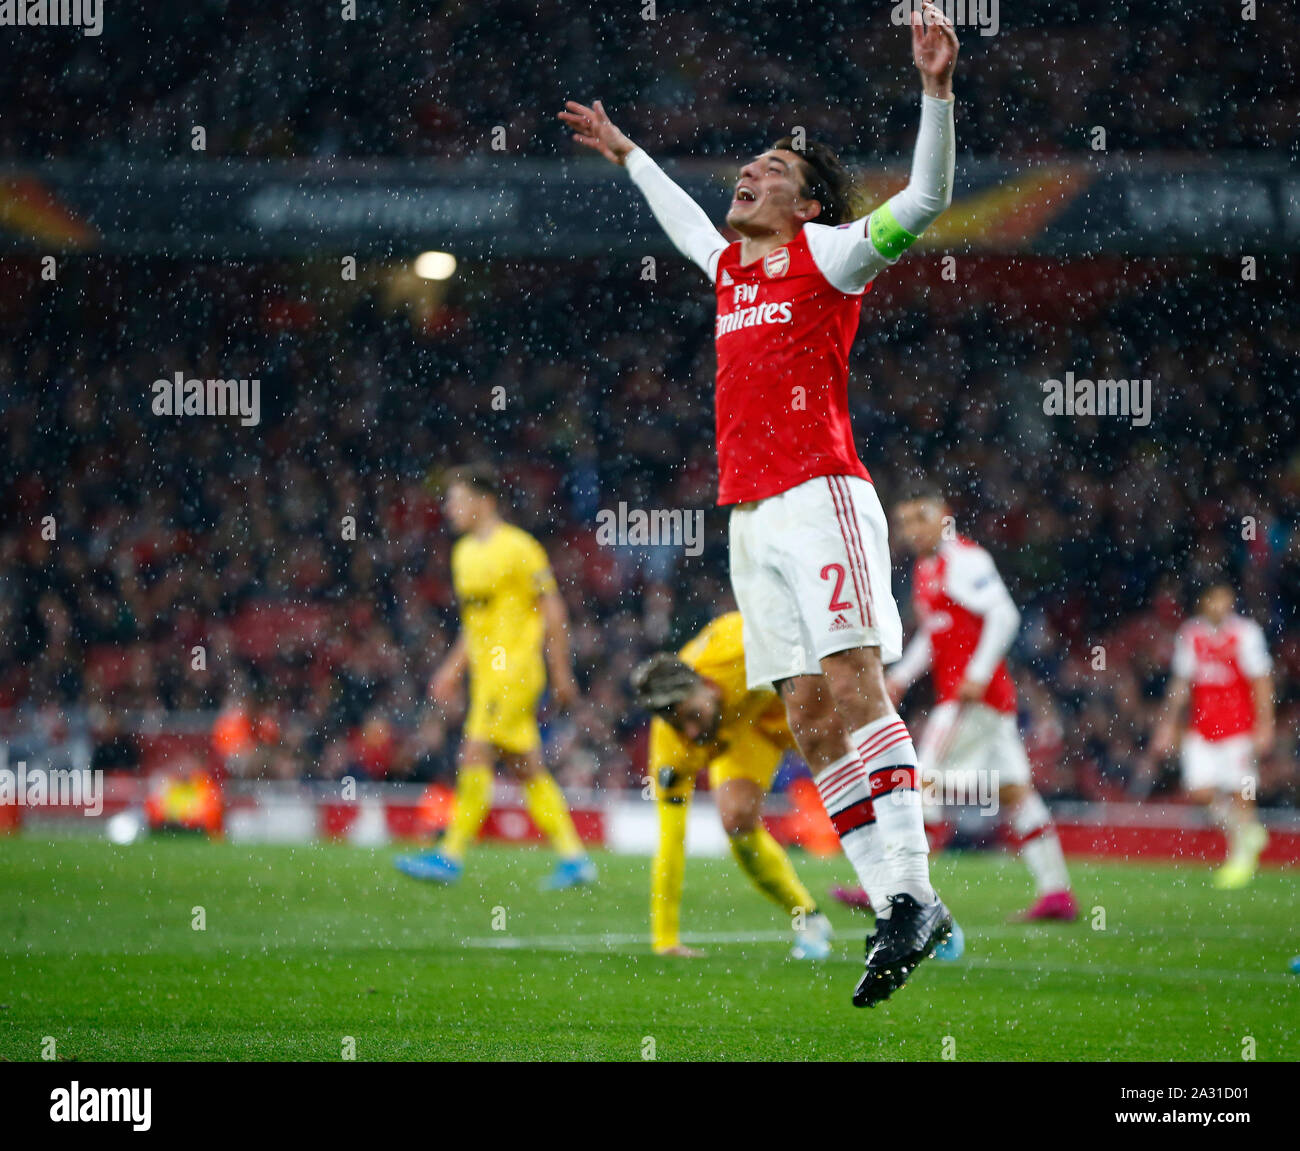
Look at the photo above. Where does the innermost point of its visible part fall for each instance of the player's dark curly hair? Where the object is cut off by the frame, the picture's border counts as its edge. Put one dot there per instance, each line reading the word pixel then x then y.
pixel 825 179
pixel 662 682
pixel 923 490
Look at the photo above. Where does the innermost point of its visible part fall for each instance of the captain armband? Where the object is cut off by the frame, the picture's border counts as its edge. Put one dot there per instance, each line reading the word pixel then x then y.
pixel 888 236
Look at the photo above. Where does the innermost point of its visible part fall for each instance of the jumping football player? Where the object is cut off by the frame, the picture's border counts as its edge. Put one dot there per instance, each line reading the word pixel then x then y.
pixel 809 539
pixel 1221 663
pixel 511 612
pixel 966 622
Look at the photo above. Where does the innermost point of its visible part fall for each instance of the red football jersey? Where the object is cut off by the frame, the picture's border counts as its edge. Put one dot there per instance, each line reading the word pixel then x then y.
pixel 1219 664
pixel 951 592
pixel 783 335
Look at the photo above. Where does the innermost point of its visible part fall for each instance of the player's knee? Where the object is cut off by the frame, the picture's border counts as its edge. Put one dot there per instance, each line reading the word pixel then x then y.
pixel 738 820
pixel 524 767
pixel 856 682
pixel 739 805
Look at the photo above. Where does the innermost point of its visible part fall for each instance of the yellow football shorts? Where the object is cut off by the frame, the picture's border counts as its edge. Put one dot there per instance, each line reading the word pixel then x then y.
pixel 504 713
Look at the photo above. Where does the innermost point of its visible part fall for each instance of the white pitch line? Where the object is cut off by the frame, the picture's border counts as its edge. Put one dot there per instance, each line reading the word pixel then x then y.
pixel 610 939
pixel 613 941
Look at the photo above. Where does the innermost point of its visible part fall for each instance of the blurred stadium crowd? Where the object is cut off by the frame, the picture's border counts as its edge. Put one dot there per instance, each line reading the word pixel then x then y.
pixel 175 533
pixel 408 78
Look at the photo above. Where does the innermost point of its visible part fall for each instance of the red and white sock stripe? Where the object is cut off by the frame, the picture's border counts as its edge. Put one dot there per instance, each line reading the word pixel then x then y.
pixel 846 794
pixel 887 755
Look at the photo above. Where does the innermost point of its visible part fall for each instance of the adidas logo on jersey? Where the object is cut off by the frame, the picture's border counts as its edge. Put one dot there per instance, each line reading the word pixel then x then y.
pixel 727 281
pixel 839 623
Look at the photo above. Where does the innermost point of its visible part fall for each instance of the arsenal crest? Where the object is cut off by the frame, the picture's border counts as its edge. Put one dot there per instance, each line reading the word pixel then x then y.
pixel 777 263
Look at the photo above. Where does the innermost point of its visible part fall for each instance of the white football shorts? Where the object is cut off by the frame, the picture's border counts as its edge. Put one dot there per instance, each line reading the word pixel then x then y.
pixel 1218 764
pixel 810 573
pixel 970 749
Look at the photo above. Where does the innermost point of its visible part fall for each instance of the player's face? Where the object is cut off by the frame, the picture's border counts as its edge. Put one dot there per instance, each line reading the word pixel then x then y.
pixel 1217 604
pixel 463 507
pixel 767 197
pixel 920 525
pixel 696 717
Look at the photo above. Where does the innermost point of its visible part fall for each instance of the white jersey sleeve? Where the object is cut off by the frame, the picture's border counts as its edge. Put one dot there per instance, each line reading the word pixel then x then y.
pixel 1253 651
pixel 1184 662
pixel 852 255
pixel 686 223
pixel 971 579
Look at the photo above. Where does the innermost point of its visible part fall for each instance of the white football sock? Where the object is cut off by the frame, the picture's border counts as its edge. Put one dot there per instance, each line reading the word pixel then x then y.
pixel 888 764
pixel 843 788
pixel 1039 846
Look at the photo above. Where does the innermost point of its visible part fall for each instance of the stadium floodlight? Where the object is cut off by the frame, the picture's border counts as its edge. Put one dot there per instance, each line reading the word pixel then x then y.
pixel 435 265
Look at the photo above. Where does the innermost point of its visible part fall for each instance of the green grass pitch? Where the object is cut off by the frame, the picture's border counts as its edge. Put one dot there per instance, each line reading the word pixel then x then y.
pixel 305 946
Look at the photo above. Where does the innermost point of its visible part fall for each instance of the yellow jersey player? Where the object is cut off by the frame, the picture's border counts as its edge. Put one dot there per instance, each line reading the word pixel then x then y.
pixel 704 716
pixel 514 629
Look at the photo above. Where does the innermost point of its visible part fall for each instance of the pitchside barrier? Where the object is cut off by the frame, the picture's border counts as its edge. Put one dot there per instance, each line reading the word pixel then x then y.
pixel 379 814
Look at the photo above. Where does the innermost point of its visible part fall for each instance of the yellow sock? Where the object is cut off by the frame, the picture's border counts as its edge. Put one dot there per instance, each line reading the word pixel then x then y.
pixel 770 870
pixel 473 802
pixel 546 804
pixel 666 872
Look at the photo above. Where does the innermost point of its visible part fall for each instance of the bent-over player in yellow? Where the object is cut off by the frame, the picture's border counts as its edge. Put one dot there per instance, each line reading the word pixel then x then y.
pixel 514 629
pixel 704 716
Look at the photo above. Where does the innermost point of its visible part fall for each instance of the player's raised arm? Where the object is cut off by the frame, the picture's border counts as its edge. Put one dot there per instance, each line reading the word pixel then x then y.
pixel 685 222
pixel 851 257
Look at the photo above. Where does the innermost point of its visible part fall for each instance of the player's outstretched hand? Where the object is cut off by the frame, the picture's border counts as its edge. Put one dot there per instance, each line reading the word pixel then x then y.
pixel 934 50
pixel 592 128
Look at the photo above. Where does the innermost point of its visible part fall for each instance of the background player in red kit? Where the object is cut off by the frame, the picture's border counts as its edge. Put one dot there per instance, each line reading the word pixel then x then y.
pixel 966 624
pixel 1221 662
pixel 809 540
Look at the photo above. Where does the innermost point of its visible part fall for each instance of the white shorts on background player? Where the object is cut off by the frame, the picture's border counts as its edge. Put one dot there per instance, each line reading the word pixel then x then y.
pixel 1220 764
pixel 810 572
pixel 961 741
